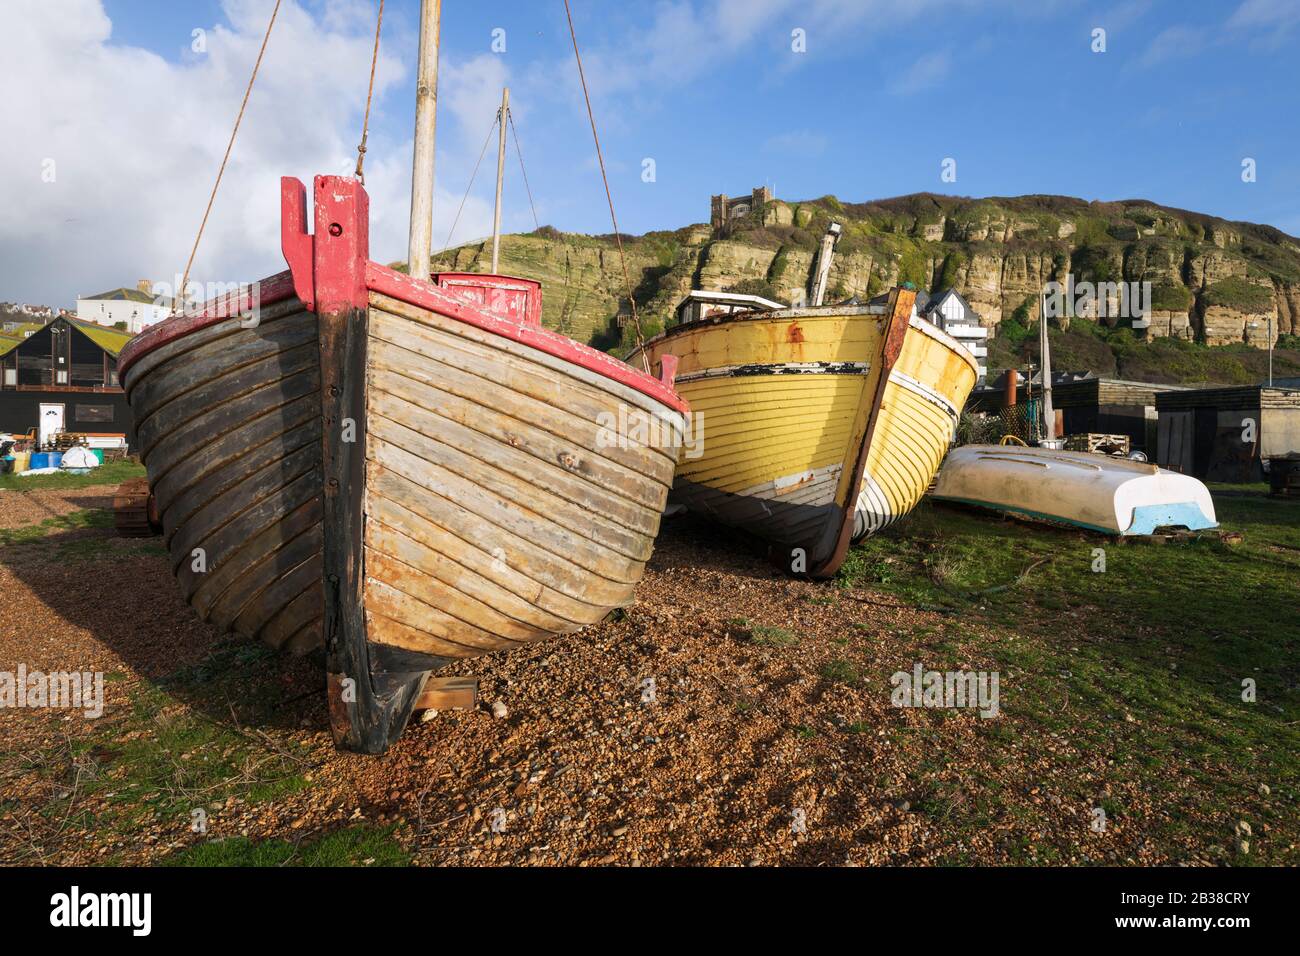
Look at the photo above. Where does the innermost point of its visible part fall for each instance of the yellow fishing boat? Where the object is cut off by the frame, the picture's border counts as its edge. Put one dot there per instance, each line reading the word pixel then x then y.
pixel 814 426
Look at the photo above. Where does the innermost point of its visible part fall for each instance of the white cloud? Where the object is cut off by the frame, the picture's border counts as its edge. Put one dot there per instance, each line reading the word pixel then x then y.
pixel 1270 14
pixel 471 91
pixel 136 140
pixel 1172 43
pixel 926 71
pixel 1268 23
pixel 687 40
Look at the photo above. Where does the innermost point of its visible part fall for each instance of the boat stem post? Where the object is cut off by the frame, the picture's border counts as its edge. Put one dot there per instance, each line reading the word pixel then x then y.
pixel 426 112
pixel 893 333
pixel 502 119
pixel 369 702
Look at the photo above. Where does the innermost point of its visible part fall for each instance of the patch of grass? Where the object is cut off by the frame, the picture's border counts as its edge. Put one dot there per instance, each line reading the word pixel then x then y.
pixel 1143 663
pixel 109 473
pixel 765 636
pixel 72 521
pixel 1238 293
pixel 157 760
pixel 351 846
pixel 1170 297
pixel 1089 346
pixel 165 762
pixel 839 671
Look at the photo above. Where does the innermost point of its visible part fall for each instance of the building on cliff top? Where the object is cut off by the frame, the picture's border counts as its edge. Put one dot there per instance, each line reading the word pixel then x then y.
pixel 725 208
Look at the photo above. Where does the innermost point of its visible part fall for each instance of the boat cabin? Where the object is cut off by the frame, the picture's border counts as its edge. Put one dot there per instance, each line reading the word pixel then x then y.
pixel 508 297
pixel 700 304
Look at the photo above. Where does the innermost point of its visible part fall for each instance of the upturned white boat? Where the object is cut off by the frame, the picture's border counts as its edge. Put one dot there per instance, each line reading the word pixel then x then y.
pixel 1112 495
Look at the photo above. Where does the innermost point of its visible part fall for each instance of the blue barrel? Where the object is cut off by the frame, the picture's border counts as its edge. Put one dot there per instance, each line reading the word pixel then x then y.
pixel 40 459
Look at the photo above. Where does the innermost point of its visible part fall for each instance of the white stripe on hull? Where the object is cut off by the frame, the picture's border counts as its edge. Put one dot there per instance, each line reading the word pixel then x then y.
pixel 925 391
pixel 872 512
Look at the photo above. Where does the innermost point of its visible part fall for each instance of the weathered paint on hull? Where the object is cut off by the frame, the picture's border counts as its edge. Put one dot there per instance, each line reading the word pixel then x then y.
pixel 381 467
pixel 230 429
pixel 786 401
pixel 494 516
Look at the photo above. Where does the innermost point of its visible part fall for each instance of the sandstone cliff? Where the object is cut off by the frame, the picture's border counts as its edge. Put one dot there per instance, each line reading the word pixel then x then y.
pixel 1212 281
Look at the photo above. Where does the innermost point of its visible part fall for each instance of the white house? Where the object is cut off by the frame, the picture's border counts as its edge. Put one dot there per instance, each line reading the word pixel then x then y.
pixel 136 308
pixel 951 312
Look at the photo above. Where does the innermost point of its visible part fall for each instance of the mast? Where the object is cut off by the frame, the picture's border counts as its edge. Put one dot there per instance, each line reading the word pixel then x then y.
pixel 426 111
pixel 1049 416
pixel 501 167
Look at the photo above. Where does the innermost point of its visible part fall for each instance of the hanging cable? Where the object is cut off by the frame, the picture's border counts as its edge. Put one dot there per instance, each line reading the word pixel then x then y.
pixel 482 153
pixel 185 279
pixel 618 239
pixel 365 123
pixel 518 152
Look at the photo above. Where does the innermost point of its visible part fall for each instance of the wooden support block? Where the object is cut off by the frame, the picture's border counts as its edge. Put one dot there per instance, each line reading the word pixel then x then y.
pixel 448 693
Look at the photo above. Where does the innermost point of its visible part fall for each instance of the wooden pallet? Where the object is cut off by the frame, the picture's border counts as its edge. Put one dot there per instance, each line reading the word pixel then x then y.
pixel 134 514
pixel 1099 443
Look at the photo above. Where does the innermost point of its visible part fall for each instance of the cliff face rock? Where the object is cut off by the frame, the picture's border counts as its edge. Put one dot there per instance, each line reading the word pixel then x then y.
pixel 1210 280
pixel 1288 308
pixel 1223 325
pixel 1206 268
pixel 721 262
pixel 1167 324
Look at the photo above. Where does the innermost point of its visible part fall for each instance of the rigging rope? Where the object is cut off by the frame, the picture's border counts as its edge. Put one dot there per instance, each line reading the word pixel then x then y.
pixel 482 153
pixel 365 123
pixel 185 280
pixel 520 153
pixel 618 239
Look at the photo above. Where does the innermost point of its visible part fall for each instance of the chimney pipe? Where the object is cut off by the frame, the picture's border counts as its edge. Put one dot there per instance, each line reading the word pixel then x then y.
pixel 1012 380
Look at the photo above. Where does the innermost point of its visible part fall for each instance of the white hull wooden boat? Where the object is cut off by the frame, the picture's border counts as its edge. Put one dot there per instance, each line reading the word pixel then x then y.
pixel 1112 495
pixel 406 471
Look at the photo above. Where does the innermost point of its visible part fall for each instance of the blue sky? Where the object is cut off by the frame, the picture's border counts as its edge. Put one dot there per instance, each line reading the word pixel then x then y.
pixel 712 91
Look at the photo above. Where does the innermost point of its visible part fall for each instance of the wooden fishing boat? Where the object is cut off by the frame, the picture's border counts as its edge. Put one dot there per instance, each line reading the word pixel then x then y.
pixel 409 472
pixel 819 425
pixel 1112 495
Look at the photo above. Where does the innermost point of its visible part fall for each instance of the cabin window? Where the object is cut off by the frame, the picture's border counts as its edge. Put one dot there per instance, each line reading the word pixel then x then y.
pixel 94 413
